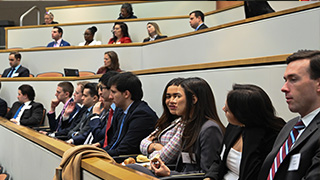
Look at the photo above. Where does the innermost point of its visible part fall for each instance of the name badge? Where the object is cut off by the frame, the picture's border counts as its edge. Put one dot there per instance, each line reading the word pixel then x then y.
pixel 15 74
pixel 186 158
pixel 28 107
pixel 222 152
pixel 294 162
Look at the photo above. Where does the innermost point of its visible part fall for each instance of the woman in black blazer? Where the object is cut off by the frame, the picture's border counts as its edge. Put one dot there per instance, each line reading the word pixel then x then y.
pixel 252 130
pixel 154 32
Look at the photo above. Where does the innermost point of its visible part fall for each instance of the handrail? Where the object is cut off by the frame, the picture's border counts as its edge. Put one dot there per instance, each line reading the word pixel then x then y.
pixel 26 13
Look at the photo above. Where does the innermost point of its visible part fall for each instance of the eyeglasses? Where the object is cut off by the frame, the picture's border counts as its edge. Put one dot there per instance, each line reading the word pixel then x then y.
pixel 101 88
pixel 112 30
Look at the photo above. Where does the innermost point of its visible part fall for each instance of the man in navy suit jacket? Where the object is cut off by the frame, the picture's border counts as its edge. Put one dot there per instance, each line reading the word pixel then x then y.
pixel 25 111
pixel 197 20
pixel 16 70
pixel 302 93
pixel 56 34
pixel 135 121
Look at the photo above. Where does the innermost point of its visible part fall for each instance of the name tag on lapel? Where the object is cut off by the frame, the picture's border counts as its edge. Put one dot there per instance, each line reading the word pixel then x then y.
pixel 28 107
pixel 15 74
pixel 294 162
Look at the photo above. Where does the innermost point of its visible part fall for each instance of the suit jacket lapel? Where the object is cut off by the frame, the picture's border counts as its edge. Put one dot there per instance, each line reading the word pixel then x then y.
pixel 312 127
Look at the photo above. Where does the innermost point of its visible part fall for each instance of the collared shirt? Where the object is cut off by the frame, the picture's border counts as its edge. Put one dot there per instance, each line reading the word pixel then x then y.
pixel 307 119
pixel 57 43
pixel 198 27
pixel 26 106
pixel 126 111
pixel 14 70
pixel 153 38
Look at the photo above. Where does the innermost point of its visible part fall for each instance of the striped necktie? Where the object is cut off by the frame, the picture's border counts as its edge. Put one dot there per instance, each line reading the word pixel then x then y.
pixel 285 149
pixel 11 72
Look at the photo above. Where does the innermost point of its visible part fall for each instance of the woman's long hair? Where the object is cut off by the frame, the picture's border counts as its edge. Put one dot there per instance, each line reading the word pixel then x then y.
pixel 197 113
pixel 114 60
pixel 124 30
pixel 166 117
pixel 252 106
pixel 156 27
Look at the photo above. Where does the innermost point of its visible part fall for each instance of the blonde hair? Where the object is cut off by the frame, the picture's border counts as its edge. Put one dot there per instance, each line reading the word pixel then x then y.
pixel 156 27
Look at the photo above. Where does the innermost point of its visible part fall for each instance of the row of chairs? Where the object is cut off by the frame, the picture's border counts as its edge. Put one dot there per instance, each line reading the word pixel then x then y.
pixel 59 74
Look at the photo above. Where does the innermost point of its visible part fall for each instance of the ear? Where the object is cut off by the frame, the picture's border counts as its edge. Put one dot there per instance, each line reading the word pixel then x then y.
pixel 318 85
pixel 194 99
pixel 127 94
pixel 96 98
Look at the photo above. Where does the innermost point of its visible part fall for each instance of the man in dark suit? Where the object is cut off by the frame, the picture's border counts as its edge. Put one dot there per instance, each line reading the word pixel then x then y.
pixel 101 120
pixel 25 111
pixel 197 20
pixel 302 93
pixel 56 34
pixel 133 119
pixel 64 120
pixel 16 69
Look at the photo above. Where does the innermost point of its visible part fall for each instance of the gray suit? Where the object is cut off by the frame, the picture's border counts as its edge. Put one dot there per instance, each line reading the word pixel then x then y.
pixel 308 145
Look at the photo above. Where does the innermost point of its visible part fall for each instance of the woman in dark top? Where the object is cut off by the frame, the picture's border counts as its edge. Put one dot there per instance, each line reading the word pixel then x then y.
pixel 154 32
pixel 111 63
pixel 203 131
pixel 252 130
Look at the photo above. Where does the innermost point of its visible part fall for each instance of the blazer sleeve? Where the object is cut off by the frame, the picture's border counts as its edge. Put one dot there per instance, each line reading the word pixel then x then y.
pixel 50 44
pixel 141 124
pixel 126 40
pixel 13 110
pixel 3 108
pixel 210 146
pixel 33 115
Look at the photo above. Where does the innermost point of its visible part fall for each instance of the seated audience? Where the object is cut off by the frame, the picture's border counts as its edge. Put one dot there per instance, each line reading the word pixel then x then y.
pixel 77 100
pixel 56 34
pixel 126 12
pixel 197 20
pixel 16 69
pixel 80 132
pixel 25 111
pixel 252 130
pixel 203 131
pixel 89 37
pixel 120 34
pixel 48 19
pixel 3 106
pixel 135 121
pixel 256 8
pixel 63 94
pixel 166 139
pixel 154 32
pixel 111 63
pixel 102 120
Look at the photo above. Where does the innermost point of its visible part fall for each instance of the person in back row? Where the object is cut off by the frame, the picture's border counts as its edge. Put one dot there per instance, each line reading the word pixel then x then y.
pixel 16 70
pixel 120 34
pixel 135 121
pixel 111 63
pixel 197 20
pixel 89 37
pixel 48 19
pixel 126 12
pixel 25 111
pixel 56 35
pixel 154 32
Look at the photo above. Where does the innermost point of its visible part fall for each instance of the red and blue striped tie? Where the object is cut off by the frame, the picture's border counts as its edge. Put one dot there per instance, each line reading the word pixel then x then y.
pixel 285 148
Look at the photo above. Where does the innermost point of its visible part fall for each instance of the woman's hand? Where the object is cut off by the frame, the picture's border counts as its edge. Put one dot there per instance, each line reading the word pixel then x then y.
pixel 159 168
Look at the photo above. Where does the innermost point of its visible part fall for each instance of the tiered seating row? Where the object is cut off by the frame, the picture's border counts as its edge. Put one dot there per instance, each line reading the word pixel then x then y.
pixel 275 33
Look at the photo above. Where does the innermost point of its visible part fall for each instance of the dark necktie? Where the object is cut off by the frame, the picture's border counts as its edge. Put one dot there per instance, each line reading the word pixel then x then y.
pixel 285 149
pixel 16 114
pixel 107 128
pixel 11 72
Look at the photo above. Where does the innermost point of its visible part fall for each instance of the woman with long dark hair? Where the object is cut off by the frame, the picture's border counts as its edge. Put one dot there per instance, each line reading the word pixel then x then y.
pixel 111 63
pixel 253 127
pixel 120 34
pixel 203 131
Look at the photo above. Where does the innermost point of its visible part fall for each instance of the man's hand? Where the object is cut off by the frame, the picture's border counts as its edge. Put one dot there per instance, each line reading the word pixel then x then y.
pixel 69 109
pixel 97 108
pixel 43 132
pixel 96 144
pixel 54 104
